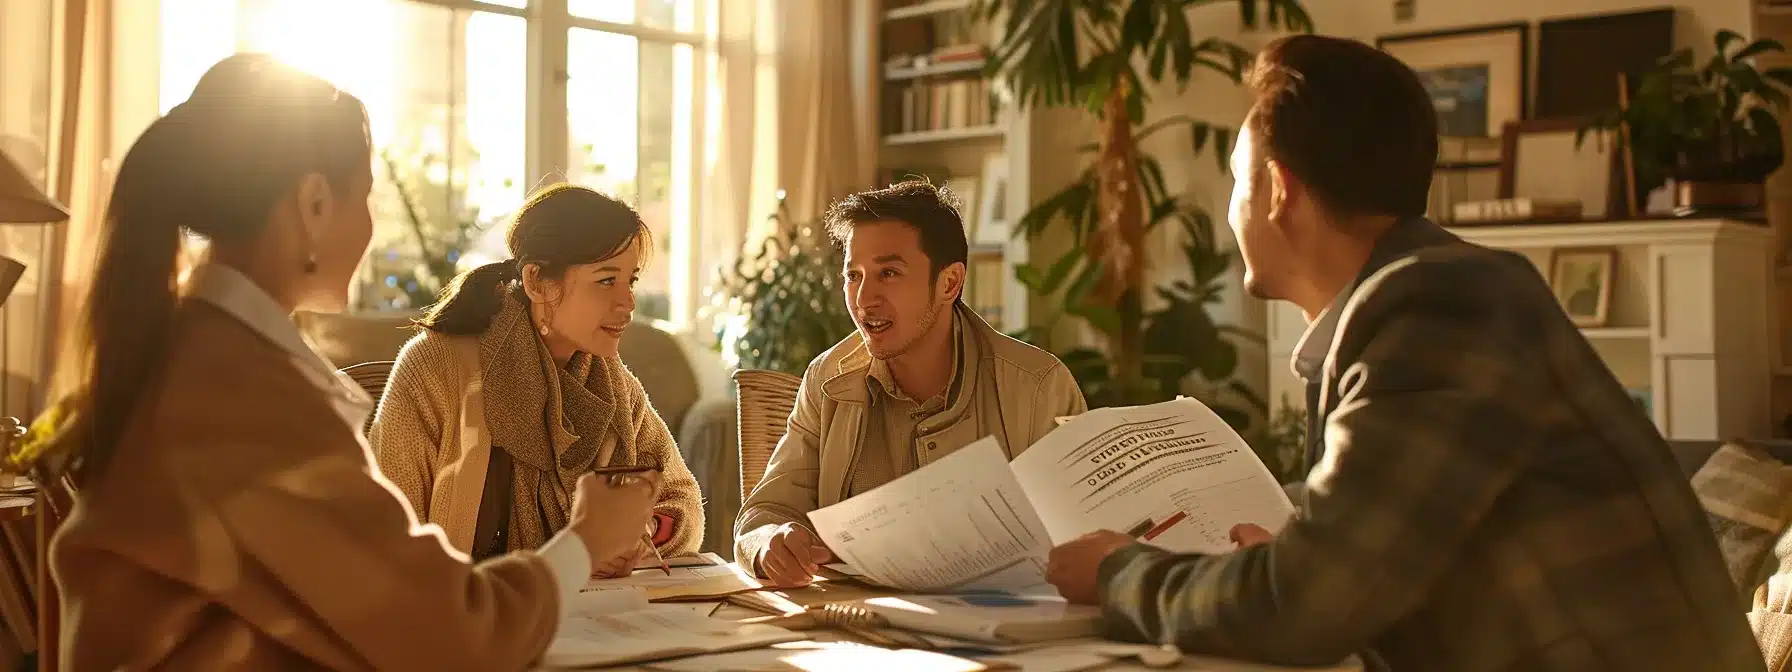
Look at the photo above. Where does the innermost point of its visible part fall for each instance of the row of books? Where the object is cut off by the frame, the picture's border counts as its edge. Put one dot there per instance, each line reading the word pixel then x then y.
pixel 983 290
pixel 938 106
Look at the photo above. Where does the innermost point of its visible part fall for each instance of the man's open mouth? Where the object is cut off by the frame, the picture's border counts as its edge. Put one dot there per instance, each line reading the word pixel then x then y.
pixel 873 325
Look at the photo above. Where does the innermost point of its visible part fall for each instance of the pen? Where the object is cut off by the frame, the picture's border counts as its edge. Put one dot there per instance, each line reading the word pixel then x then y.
pixel 648 537
pixel 634 469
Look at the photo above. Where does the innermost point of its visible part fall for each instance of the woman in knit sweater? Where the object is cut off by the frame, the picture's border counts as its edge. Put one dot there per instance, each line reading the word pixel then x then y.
pixel 515 388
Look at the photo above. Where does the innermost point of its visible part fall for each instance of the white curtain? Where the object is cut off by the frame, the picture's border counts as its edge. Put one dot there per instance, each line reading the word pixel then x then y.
pixel 797 80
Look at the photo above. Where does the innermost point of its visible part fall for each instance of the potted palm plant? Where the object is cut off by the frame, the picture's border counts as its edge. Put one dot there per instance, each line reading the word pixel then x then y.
pixel 1107 58
pixel 1710 127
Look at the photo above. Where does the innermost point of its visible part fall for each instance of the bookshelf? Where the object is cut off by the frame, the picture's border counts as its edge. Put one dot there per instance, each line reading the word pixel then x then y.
pixel 940 118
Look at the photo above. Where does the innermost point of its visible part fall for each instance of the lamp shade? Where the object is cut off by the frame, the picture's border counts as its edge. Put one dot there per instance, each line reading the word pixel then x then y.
pixel 21 202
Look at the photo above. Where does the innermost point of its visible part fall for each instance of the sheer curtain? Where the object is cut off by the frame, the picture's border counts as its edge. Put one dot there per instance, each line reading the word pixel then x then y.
pixel 796 81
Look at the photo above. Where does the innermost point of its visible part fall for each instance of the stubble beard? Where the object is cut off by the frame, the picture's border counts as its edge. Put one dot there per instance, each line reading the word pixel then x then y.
pixel 926 324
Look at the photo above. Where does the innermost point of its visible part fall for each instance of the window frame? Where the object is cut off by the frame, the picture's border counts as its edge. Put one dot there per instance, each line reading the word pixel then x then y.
pixel 547 139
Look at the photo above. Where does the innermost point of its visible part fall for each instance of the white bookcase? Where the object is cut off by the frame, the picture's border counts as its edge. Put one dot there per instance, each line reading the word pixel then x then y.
pixel 1691 321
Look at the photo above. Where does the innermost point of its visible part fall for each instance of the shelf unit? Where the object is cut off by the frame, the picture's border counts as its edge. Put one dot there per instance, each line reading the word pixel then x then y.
pixel 1689 327
pixel 940 118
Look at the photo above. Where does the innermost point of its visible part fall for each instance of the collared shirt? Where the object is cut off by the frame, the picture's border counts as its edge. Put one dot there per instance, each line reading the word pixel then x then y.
pixel 237 295
pixel 897 423
pixel 1316 343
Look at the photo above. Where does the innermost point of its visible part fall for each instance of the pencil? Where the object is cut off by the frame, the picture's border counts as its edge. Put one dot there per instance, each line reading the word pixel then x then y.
pixel 648 537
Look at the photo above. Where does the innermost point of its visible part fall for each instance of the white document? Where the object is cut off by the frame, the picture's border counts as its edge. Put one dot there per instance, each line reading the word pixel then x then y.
pixel 959 524
pixel 1172 474
pixel 605 628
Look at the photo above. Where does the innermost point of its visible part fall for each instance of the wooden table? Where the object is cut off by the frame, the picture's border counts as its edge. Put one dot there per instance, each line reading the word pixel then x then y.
pixel 839 591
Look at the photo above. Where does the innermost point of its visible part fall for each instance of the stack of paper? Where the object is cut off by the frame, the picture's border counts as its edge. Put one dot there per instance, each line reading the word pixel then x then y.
pixel 617 628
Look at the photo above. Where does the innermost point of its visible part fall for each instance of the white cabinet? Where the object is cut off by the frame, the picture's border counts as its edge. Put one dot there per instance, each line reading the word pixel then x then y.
pixel 1690 324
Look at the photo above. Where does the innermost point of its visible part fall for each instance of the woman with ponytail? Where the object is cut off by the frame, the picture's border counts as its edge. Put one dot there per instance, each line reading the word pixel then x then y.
pixel 515 389
pixel 228 515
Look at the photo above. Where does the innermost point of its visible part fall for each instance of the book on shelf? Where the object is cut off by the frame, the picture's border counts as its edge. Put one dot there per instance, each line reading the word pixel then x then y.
pixel 944 105
pixel 1514 210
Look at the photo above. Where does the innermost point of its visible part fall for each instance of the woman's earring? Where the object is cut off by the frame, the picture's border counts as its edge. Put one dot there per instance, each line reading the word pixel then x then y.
pixel 544 328
pixel 311 263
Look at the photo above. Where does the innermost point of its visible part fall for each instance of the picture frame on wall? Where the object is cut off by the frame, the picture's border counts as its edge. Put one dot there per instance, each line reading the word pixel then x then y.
pixel 1581 279
pixel 1476 75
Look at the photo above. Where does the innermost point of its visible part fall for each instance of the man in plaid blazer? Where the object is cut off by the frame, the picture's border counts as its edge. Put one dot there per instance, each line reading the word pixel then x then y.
pixel 1487 496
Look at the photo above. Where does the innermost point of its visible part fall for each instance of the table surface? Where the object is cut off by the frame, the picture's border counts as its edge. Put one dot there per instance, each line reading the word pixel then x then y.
pixel 842 591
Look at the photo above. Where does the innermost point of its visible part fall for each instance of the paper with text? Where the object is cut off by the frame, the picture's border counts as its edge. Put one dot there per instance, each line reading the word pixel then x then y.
pixel 1172 474
pixel 590 637
pixel 961 523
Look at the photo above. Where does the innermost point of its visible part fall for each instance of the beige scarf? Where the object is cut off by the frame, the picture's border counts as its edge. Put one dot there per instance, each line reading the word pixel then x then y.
pixel 527 398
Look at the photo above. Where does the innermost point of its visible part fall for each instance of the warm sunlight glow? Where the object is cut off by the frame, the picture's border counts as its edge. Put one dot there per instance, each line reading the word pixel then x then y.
pixel 312 35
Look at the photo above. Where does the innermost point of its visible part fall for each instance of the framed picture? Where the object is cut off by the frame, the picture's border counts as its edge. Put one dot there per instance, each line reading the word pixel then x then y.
pixel 1579 59
pixel 1582 281
pixel 992 213
pixel 1539 161
pixel 1476 76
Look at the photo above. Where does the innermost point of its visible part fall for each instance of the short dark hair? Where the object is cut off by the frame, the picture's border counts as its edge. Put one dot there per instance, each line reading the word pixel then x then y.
pixel 1352 122
pixel 934 212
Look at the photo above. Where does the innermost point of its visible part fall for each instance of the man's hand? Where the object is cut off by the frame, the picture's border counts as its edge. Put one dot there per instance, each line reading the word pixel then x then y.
pixel 621 565
pixel 1074 567
pixel 1247 535
pixel 609 514
pixel 793 556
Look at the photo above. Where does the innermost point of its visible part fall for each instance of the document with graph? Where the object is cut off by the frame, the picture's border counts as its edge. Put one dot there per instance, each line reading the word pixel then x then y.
pixel 1174 475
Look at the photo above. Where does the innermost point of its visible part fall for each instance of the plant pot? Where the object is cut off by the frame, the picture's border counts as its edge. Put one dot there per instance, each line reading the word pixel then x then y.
pixel 1718 199
pixel 1724 162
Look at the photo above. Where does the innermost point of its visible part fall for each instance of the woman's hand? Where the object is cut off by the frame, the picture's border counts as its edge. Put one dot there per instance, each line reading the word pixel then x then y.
pixel 621 565
pixel 610 512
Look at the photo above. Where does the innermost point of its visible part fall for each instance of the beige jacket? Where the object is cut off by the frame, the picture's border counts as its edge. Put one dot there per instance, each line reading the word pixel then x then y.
pixel 241 525
pixel 1024 387
pixel 432 439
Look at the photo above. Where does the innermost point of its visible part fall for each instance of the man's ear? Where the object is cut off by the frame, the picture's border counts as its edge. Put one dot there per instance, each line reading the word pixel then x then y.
pixel 950 283
pixel 1284 190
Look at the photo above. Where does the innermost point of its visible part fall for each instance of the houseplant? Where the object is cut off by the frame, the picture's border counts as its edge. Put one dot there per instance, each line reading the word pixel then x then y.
pixel 792 282
pixel 1705 124
pixel 1106 57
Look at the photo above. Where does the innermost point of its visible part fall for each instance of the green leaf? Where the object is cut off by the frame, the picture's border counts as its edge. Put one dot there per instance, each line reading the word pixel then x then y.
pixel 1030 278
pixel 1723 40
pixel 1060 271
pixel 1757 48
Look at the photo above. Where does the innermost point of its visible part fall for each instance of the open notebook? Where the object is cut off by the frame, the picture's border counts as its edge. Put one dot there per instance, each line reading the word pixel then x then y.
pixel 620 627
pixel 1006 619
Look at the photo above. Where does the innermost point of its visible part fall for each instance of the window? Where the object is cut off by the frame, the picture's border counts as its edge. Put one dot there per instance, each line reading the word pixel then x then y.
pixel 461 133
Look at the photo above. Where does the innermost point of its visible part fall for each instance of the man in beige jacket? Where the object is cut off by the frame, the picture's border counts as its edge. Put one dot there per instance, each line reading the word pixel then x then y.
pixel 921 377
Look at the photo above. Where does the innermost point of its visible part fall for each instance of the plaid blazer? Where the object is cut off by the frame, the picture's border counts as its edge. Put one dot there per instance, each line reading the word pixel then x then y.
pixel 1489 498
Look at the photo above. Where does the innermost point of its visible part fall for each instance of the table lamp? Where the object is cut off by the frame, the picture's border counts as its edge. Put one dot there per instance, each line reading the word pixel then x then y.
pixel 21 202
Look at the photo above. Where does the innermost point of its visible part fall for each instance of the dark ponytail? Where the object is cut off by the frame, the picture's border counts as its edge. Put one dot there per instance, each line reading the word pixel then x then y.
pixel 215 166
pixel 561 226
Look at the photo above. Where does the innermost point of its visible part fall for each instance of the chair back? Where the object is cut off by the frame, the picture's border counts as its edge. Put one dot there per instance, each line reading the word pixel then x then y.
pixel 763 402
pixel 372 377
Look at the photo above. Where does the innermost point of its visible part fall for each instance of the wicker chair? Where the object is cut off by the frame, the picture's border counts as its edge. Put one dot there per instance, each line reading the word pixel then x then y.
pixel 763 400
pixel 372 377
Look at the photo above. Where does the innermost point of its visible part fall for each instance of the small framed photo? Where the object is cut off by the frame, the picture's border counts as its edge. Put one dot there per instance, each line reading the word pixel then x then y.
pixel 1476 76
pixel 1582 281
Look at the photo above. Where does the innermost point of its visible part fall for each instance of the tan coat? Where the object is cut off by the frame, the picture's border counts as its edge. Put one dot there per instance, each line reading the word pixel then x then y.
pixel 243 526
pixel 1019 389
pixel 432 438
